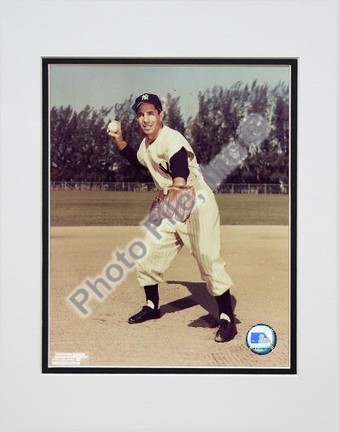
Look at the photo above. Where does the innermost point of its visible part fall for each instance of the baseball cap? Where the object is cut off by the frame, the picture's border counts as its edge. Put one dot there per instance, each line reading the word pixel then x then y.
pixel 147 98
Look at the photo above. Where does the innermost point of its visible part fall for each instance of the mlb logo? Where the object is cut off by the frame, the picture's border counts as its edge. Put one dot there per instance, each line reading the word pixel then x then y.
pixel 259 337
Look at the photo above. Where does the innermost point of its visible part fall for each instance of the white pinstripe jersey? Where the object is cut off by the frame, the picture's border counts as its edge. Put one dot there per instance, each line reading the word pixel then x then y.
pixel 156 156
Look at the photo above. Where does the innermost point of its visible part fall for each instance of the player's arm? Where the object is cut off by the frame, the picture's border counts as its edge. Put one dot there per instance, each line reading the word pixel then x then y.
pixel 125 150
pixel 130 154
pixel 179 167
pixel 177 201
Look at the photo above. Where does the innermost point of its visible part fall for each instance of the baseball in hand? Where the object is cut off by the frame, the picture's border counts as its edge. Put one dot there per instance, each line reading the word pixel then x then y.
pixel 113 127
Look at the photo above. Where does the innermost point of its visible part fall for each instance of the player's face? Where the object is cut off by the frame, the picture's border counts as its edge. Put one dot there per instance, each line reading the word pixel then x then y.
pixel 150 120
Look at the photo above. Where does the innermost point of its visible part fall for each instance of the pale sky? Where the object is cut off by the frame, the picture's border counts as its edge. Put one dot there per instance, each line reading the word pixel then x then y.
pixel 104 85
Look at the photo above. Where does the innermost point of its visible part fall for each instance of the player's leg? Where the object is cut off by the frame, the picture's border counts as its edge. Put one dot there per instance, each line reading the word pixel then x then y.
pixel 204 232
pixel 227 328
pixel 151 310
pixel 161 250
pixel 203 229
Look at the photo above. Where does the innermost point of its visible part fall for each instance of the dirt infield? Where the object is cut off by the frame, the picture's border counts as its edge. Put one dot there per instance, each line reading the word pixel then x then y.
pixel 257 259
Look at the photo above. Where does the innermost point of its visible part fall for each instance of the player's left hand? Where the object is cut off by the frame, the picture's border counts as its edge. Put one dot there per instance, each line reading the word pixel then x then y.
pixel 174 202
pixel 167 189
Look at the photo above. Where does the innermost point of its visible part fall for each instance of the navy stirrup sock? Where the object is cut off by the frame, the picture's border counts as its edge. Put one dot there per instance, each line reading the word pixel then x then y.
pixel 152 295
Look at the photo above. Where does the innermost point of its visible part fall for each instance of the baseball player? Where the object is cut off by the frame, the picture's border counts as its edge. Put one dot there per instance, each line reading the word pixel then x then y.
pixel 171 161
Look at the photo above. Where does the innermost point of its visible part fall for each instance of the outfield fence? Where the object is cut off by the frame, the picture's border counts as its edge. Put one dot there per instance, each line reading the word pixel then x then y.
pixel 145 187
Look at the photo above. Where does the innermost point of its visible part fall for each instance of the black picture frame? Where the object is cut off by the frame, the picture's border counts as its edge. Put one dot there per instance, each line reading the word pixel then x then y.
pixel 46 63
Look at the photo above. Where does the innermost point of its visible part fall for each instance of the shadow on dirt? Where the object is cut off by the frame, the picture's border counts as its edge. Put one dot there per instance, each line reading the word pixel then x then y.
pixel 199 296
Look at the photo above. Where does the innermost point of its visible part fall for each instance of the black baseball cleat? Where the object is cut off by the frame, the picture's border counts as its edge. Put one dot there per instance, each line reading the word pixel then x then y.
pixel 146 313
pixel 226 331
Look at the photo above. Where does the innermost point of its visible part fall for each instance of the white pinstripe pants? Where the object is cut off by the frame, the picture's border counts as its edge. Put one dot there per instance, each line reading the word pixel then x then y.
pixel 201 234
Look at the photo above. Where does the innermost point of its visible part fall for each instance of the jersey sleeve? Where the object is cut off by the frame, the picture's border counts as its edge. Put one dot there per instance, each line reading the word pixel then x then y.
pixel 174 143
pixel 179 164
pixel 130 154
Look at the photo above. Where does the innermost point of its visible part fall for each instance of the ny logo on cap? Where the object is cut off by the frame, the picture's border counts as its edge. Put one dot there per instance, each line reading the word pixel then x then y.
pixel 144 97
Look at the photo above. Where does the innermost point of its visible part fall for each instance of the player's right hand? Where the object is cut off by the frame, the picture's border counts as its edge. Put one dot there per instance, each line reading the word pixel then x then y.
pixel 117 137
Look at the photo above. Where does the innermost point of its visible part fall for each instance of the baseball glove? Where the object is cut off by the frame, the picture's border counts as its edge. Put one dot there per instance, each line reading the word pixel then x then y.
pixel 176 204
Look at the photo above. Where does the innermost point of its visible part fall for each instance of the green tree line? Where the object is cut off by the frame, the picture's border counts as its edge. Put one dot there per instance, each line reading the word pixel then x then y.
pixel 80 149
